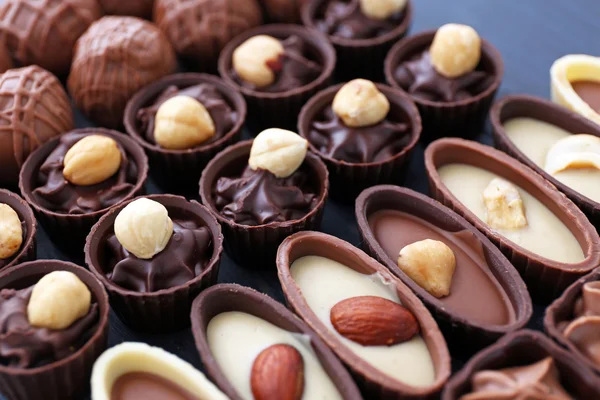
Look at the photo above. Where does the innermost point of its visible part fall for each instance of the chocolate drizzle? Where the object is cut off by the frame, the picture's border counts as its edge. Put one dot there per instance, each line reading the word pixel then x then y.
pixel 25 346
pixel 259 197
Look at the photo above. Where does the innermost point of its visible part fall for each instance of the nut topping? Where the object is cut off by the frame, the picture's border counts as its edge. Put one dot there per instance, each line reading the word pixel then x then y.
pixel 11 232
pixel 359 103
pixel 257 59
pixel 573 152
pixel 455 50
pixel 381 9
pixel 92 160
pixel 505 209
pixel 278 373
pixel 278 151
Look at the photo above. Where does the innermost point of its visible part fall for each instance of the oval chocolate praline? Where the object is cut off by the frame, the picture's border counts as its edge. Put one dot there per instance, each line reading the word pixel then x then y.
pixel 27 251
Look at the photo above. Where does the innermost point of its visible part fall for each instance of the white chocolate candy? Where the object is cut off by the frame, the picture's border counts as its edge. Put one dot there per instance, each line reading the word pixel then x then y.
pixel 278 151
pixel 455 50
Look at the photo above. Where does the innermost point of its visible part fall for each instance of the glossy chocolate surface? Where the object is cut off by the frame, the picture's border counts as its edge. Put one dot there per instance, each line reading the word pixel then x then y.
pixel 142 385
pixel 589 91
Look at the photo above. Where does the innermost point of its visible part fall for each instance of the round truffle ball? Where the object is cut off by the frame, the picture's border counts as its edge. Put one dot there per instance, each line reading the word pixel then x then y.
pixel 114 59
pixel 199 29
pixel 43 32
pixel 34 108
pixel 135 8
pixel 287 11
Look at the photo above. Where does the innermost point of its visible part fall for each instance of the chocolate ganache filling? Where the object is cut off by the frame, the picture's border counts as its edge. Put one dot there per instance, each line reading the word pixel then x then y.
pixel 25 346
pixel 57 194
pixel 418 77
pixel 5 261
pixel 293 69
pixel 223 116
pixel 259 197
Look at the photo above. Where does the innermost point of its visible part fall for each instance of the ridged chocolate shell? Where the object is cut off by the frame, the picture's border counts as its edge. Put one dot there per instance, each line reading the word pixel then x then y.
pixel 27 252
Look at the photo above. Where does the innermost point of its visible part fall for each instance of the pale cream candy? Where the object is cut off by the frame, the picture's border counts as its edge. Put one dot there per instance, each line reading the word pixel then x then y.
pixel 11 231
pixel 278 151
pixel 455 50
pixel 236 339
pixel 381 9
pixel 251 59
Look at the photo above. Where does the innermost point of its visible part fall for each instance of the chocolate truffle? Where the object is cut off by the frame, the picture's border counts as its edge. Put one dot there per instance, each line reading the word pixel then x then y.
pixel 6 61
pixel 34 109
pixel 44 32
pixel 200 29
pixel 135 8
pixel 285 11
pixel 113 59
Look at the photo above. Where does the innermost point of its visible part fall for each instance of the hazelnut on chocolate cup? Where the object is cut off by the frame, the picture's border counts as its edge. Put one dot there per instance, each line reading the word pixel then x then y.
pixel 545 278
pixel 349 179
pixel 179 170
pixel 373 383
pixel 464 118
pixel 360 58
pixel 523 348
pixel 457 326
pixel 280 109
pixel 164 310
pixel 516 106
pixel 66 378
pixel 256 245
pixel 231 297
pixel 27 251
pixel 69 230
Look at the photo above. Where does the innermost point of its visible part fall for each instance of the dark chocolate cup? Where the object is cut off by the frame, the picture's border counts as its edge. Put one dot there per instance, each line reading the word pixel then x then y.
pixel 230 297
pixel 561 310
pixel 280 110
pixel 515 106
pixel 522 348
pixel 545 278
pixel 464 118
pixel 349 179
pixel 256 246
pixel 360 58
pixel 460 329
pixel 27 252
pixel 179 170
pixel 67 378
pixel 68 231
pixel 165 310
pixel 373 383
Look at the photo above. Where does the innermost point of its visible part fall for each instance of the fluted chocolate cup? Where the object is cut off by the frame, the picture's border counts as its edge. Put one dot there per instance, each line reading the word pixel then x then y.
pixel 27 251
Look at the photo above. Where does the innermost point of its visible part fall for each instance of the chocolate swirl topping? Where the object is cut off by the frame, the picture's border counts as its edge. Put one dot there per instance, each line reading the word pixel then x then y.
pixel 55 193
pixel 259 197
pixel 25 346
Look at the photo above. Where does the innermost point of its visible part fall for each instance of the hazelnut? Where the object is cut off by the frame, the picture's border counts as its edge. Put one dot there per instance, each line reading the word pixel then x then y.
pixel 505 209
pixel 359 103
pixel 381 9
pixel 278 151
pixel 455 50
pixel 92 160
pixel 57 300
pixel 431 264
pixel 256 60
pixel 11 232
pixel 572 152
pixel 182 123
pixel 144 228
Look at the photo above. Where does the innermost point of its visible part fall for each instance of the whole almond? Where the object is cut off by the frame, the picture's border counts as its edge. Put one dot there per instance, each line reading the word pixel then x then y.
pixel 278 374
pixel 92 160
pixel 373 321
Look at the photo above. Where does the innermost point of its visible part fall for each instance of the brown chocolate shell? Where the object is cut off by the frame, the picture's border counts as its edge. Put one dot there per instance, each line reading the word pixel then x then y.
pixel 280 110
pixel 165 310
pixel 257 245
pixel 515 106
pixel 349 179
pixel 372 382
pixel 68 231
pixel 545 278
pixel 522 348
pixel 179 170
pixel 464 118
pixel 66 378
pixel 456 326
pixel 27 252
pixel 231 297
pixel 360 58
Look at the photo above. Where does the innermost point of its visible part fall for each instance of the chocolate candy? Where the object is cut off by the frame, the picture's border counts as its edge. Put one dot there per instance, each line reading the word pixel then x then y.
pixel 286 11
pixel 135 8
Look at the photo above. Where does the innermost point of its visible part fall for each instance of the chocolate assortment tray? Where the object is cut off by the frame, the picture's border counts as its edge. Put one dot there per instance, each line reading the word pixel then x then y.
pixel 174 244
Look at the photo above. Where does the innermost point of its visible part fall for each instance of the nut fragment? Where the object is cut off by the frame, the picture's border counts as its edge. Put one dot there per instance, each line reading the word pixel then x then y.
pixel 57 300
pixel 381 9
pixel 144 228
pixel 373 321
pixel 573 152
pixel 455 50
pixel 92 160
pixel 257 59
pixel 431 264
pixel 182 122
pixel 359 103
pixel 278 151
pixel 504 205
pixel 278 373
pixel 11 232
